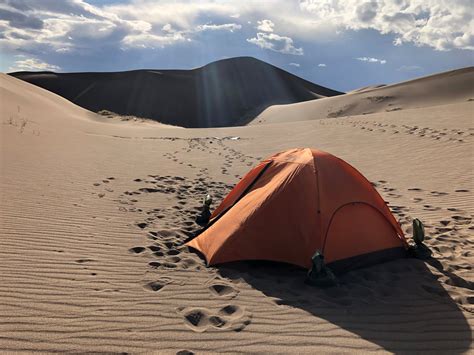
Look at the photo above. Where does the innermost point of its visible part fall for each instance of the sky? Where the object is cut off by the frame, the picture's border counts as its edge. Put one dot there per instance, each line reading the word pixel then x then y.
pixel 341 44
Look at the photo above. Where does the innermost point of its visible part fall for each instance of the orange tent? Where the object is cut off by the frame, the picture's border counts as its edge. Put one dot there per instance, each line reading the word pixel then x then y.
pixel 295 203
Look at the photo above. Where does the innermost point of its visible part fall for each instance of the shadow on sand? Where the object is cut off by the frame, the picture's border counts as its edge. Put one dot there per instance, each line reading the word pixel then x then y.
pixel 399 306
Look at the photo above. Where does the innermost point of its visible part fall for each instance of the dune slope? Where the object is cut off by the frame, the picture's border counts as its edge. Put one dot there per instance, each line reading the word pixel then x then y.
pixel 225 93
pixel 439 89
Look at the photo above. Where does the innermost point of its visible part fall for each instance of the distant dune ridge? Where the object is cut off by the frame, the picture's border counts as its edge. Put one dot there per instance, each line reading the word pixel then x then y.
pixel 450 87
pixel 228 92
pixel 240 91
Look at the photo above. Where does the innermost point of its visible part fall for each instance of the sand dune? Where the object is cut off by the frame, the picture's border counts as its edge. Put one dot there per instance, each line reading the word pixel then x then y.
pixel 93 215
pixel 446 88
pixel 229 92
pixel 20 99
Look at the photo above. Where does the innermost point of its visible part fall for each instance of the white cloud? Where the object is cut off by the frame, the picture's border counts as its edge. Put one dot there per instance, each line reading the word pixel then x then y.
pixel 32 64
pixel 440 24
pixel 149 40
pixel 295 65
pixel 231 27
pixel 322 65
pixel 146 38
pixel 166 28
pixel 397 41
pixel 275 43
pixel 265 26
pixel 371 60
pixel 267 39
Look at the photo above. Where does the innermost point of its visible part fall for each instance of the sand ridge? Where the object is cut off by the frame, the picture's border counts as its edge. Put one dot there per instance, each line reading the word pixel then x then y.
pixel 228 92
pixel 435 90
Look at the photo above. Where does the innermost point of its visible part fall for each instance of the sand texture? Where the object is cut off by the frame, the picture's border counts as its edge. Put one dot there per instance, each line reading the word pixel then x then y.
pixel 93 213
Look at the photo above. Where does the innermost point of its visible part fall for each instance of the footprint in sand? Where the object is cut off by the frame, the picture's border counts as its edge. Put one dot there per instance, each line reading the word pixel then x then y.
pixel 430 208
pixel 136 250
pixel 157 285
pixel 154 264
pixel 154 286
pixel 222 289
pixel 154 248
pixel 394 195
pixel 228 317
pixel 443 230
pixel 173 252
pixel 462 220
pixel 197 319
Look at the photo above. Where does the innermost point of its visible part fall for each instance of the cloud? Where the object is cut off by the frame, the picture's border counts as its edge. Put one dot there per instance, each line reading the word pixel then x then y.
pixel 43 29
pixel 32 64
pixel 275 43
pixel 295 65
pixel 371 60
pixel 322 65
pixel 267 39
pixel 17 19
pixel 69 26
pixel 265 26
pixel 231 27
pixel 62 27
pixel 440 24
pixel 366 12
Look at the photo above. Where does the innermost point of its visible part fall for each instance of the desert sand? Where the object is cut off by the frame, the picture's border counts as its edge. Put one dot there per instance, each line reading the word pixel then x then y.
pixel 94 211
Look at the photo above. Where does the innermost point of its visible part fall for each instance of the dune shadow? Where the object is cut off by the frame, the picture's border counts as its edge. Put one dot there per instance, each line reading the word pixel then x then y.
pixel 399 306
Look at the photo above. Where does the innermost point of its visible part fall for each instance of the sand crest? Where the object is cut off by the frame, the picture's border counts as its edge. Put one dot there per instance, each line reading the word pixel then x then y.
pixel 435 90
pixel 228 92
